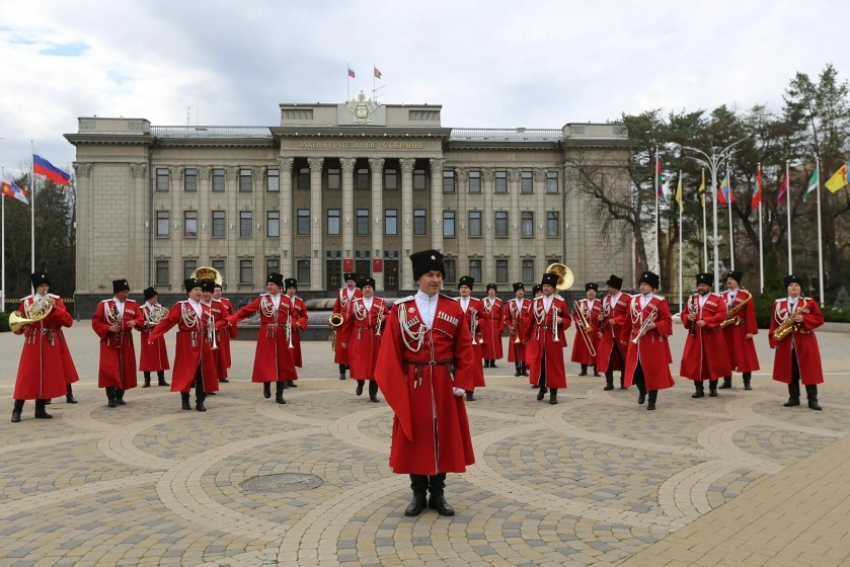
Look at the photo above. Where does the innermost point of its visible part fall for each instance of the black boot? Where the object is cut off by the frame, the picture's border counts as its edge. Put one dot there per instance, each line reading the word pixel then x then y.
pixel 493 364
pixel 653 397
pixel 279 392
pixel 342 372
pixel 437 501
pixel 40 412
pixel 727 383
pixel 359 390
pixel 119 397
pixel 161 378
pixel 147 383
pixel 700 389
pixel 792 402
pixel 812 394
pixel 267 390
pixel 623 382
pixel 110 396
pixel 641 393
pixel 199 400
pixel 291 384
pixel 69 395
pixel 595 372
pixel 184 397
pixel 518 366
pixel 583 370
pixel 469 396
pixel 609 381
pixel 16 411
pixel 541 392
pixel 747 377
pixel 553 396
pixel 419 485
pixel 793 395
pixel 524 369
pixel 712 388
pixel 373 392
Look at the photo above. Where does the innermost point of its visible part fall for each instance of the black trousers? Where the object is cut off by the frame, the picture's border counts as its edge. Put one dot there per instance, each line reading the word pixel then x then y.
pixel 159 374
pixel 615 351
pixel 639 379
pixel 794 386
pixel 422 483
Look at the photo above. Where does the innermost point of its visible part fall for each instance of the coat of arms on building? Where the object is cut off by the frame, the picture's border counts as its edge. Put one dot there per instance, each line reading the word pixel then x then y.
pixel 361 109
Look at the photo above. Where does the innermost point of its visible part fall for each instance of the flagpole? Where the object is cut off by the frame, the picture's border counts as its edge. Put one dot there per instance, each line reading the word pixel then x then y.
pixel 32 210
pixel 729 206
pixel 347 82
pixel 761 244
pixel 373 81
pixel 820 238
pixel 657 224
pixel 704 224
pixel 681 197
pixel 788 204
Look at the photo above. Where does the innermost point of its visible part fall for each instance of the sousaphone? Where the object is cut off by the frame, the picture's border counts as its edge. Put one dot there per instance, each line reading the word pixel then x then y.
pixel 208 274
pixel 565 275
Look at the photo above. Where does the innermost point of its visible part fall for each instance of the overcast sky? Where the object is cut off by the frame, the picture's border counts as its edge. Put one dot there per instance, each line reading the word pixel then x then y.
pixel 491 63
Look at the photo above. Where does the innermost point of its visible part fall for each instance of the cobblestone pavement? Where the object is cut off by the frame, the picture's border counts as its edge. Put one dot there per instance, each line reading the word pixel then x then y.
pixel 594 480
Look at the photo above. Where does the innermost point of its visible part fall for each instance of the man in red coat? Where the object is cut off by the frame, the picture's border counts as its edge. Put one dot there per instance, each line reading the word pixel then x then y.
pixel 194 365
pixel 365 328
pixel 586 343
pixel 530 347
pixel 228 332
pixel 342 306
pixel 545 327
pixel 492 323
pixel 217 310
pixel 273 360
pixel 610 355
pixel 646 329
pixel 300 320
pixel 46 369
pixel 424 367
pixel 797 357
pixel 705 356
pixel 114 321
pixel 471 308
pixel 517 312
pixel 739 335
pixel 154 357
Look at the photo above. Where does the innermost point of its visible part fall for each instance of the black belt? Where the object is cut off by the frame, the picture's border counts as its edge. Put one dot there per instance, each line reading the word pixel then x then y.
pixel 545 328
pixel 419 365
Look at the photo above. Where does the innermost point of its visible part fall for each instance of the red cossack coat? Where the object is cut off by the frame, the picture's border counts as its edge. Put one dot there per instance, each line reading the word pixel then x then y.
pixel 803 341
pixel 117 353
pixel 221 359
pixel 652 350
pixel 273 360
pixel 539 328
pixel 233 328
pixel 154 357
pixel 193 347
pixel 705 356
pixel 581 353
pixel 362 330
pixel 516 350
pixel 418 368
pixel 742 351
pixel 473 312
pixel 225 334
pixel 614 314
pixel 46 366
pixel 343 307
pixel 299 323
pixel 491 322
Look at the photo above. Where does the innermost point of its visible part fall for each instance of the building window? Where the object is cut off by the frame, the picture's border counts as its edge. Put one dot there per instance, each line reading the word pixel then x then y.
pixel 245 180
pixel 246 271
pixel 362 222
pixel 303 271
pixel 527 224
pixel 162 275
pixel 189 267
pixel 162 179
pixel 246 224
pixel 501 182
pixel 218 180
pixel 449 224
pixel 501 224
pixel 333 179
pixel 552 224
pixel 303 222
pixel 501 270
pixel 219 266
pixel 273 266
pixel 218 224
pixel 190 179
pixel 475 182
pixel 162 224
pixel 304 178
pixel 333 222
pixel 526 182
pixel 448 181
pixel 190 224
pixel 362 180
pixel 551 181
pixel 419 179
pixel 391 222
pixel 450 266
pixel 420 222
pixel 273 224
pixel 475 270
pixel 528 271
pixel 390 179
pixel 474 224
pixel 273 180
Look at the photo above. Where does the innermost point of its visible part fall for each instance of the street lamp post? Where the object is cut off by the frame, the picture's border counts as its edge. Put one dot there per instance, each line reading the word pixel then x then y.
pixel 714 162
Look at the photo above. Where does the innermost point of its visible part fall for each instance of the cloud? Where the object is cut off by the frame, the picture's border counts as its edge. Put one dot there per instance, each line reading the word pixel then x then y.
pixel 65 50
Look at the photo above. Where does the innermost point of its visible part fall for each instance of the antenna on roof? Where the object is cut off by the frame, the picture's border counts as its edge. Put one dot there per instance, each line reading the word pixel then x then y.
pixel 188 113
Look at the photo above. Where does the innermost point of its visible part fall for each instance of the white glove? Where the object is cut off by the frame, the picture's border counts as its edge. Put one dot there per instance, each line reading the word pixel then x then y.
pixel 458 391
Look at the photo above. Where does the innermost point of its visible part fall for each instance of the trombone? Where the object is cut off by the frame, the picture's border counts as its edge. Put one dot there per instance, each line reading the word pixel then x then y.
pixel 514 321
pixel 585 328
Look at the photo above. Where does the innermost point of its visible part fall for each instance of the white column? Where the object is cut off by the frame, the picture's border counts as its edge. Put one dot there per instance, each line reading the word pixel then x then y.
pixel 176 221
pixel 540 221
pixel 84 246
pixel 404 221
pixel 377 167
pixel 261 220
pixel 231 188
pixel 437 203
pixel 514 224
pixel 287 262
pixel 317 230
pixel 202 178
pixel 347 206
pixel 488 178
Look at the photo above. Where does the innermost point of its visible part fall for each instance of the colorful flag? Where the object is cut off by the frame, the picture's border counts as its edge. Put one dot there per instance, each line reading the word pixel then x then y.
pixel 702 190
pixel 783 188
pixel 377 73
pixel 12 190
pixel 350 73
pixel 43 167
pixel 839 180
pixel 679 195
pixel 659 191
pixel 813 183
pixel 725 194
pixel 759 188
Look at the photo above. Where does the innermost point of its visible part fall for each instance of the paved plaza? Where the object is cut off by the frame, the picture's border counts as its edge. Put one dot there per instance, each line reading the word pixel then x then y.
pixel 595 480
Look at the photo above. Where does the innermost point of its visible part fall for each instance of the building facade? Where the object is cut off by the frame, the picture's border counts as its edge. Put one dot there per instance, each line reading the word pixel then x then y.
pixel 334 188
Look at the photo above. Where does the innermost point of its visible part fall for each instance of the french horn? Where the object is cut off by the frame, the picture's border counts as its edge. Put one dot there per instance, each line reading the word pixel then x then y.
pixel 36 312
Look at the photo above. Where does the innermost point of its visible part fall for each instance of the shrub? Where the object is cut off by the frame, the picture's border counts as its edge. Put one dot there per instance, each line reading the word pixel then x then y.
pixel 4 322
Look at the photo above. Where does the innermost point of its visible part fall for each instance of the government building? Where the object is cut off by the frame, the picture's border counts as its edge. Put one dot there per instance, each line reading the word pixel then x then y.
pixel 357 186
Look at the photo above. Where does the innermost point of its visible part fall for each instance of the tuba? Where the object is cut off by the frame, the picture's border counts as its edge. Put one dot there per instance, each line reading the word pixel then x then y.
pixel 336 320
pixel 36 312
pixel 208 274
pixel 565 275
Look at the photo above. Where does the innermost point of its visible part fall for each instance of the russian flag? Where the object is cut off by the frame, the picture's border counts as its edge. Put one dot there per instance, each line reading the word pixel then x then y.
pixel 350 73
pixel 43 167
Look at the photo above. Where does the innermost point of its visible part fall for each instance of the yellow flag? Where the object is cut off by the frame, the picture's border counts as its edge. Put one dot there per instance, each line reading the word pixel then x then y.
pixel 838 180
pixel 679 195
pixel 702 190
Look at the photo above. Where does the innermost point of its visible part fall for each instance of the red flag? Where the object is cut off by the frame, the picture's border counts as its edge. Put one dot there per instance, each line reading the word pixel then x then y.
pixel 756 201
pixel 783 188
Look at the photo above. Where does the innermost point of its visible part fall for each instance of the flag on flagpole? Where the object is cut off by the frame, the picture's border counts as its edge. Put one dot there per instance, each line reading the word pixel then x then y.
pixel 12 190
pixel 41 166
pixel 725 195
pixel 839 179
pixel 679 195
pixel 702 190
pixel 659 192
pixel 756 200
pixel 377 73
pixel 813 183
pixel 783 188
pixel 351 73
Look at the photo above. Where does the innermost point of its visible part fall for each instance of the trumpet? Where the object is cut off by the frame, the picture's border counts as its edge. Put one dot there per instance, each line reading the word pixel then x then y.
pixel 380 320
pixel 211 331
pixel 289 327
pixel 473 325
pixel 336 320
pixel 585 329
pixel 555 312
pixel 788 326
pixel 644 326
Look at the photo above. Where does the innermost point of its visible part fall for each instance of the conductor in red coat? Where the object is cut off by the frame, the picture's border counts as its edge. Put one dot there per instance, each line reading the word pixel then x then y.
pixel 545 328
pixel 300 320
pixel 114 321
pixel 611 354
pixel 365 329
pixel 154 357
pixel 797 357
pixel 705 356
pixel 471 308
pixel 46 369
pixel 739 334
pixel 342 306
pixel 194 365
pixel 517 311
pixel 492 323
pixel 586 343
pixel 424 367
pixel 646 329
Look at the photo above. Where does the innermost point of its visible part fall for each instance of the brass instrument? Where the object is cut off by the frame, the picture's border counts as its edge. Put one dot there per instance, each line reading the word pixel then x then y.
pixel 555 312
pixel 732 317
pixel 211 331
pixel 585 329
pixel 565 275
pixel 788 326
pixel 380 319
pixel 36 312
pixel 335 320
pixel 473 325
pixel 514 321
pixel 644 326
pixel 693 309
pixel 155 316
pixel 113 317
pixel 208 274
